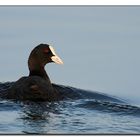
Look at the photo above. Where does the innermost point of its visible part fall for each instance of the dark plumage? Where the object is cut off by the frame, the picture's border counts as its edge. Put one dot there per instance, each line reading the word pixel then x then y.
pixel 36 86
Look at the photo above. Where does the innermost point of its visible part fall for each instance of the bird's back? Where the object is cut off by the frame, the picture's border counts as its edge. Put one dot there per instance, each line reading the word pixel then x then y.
pixel 32 88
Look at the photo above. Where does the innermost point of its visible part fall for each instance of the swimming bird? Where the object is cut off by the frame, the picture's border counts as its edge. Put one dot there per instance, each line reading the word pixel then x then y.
pixel 36 86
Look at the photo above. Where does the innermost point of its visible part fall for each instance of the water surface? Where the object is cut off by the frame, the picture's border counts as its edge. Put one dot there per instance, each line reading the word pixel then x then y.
pixel 84 112
pixel 100 49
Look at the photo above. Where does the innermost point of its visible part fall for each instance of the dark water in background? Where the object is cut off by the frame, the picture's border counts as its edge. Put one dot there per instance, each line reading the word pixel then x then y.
pixel 86 113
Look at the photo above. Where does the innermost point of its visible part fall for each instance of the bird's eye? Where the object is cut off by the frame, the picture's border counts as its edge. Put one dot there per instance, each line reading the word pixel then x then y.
pixel 46 50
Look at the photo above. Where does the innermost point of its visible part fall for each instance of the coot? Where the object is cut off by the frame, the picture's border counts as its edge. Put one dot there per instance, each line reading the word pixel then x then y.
pixel 36 86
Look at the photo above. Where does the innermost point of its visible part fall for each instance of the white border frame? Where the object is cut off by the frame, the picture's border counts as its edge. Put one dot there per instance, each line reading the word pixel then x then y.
pixel 69 2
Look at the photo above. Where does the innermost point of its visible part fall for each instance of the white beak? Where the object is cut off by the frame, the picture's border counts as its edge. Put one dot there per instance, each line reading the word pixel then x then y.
pixel 56 59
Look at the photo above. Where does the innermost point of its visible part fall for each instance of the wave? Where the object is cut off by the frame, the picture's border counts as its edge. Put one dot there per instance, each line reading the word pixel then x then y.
pixel 110 107
pixel 76 93
pixel 87 99
pixel 72 93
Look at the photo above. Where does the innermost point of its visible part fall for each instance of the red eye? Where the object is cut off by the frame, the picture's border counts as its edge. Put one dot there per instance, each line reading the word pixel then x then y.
pixel 46 50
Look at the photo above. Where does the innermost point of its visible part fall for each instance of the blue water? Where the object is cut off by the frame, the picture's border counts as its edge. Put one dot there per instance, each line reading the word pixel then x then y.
pixel 89 113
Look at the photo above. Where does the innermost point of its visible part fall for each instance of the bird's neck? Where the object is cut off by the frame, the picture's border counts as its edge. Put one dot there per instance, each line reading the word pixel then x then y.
pixel 39 72
pixel 37 69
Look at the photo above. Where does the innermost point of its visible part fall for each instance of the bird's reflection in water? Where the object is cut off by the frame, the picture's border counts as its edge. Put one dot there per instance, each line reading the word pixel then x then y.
pixel 37 116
